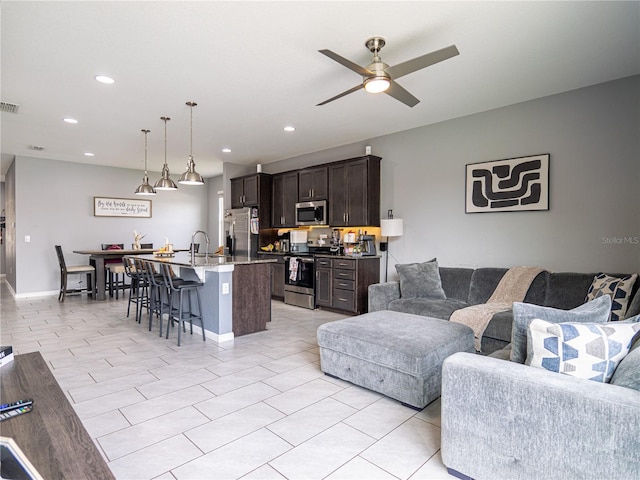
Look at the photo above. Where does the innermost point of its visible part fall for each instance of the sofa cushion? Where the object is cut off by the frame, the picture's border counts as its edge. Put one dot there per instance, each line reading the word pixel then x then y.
pixel 442 308
pixel 628 372
pixel 483 283
pixel 420 280
pixel 590 351
pixel 618 288
pixel 567 290
pixel 456 281
pixel 500 326
pixel 596 311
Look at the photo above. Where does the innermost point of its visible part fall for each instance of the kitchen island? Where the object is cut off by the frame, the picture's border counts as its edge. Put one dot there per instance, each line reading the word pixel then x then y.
pixel 236 295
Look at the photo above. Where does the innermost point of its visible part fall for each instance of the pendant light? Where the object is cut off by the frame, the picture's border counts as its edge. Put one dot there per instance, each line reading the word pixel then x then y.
pixel 145 188
pixel 191 177
pixel 165 182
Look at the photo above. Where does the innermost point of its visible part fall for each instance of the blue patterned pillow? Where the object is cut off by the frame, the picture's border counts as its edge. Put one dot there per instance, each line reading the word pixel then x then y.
pixel 618 288
pixel 585 350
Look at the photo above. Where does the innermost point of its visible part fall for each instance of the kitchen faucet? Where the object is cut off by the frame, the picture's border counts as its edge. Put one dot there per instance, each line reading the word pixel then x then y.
pixel 193 250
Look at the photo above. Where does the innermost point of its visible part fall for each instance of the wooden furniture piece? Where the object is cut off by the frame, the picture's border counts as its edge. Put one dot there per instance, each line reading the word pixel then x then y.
pixel 114 270
pixel 251 298
pixel 313 184
pixel 285 196
pixel 342 283
pixel 51 435
pixel 253 191
pixel 354 192
pixel 98 257
pixel 65 271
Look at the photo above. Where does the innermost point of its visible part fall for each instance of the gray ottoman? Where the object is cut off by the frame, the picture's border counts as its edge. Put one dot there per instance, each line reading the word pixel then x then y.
pixel 397 354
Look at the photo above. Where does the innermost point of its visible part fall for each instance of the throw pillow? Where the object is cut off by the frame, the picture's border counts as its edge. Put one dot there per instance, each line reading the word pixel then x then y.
pixel 591 351
pixel 628 372
pixel 596 311
pixel 618 288
pixel 420 280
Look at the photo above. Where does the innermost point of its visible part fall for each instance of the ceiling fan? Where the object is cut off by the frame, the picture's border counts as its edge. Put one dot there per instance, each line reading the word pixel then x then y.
pixel 379 77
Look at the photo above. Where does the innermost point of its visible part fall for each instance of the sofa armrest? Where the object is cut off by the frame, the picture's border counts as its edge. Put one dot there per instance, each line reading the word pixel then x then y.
pixel 505 420
pixel 381 294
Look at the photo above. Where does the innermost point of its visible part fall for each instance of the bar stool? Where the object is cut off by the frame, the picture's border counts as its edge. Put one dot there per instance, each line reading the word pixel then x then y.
pixel 159 296
pixel 180 291
pixel 138 287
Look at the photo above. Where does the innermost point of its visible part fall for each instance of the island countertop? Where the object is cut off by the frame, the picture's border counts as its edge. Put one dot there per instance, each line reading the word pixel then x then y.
pixel 235 295
pixel 183 259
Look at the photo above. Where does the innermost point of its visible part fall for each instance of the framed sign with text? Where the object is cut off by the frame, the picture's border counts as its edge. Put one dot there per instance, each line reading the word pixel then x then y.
pixel 121 207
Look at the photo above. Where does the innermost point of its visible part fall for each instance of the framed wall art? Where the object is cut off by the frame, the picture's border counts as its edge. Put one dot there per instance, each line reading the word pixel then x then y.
pixel 515 184
pixel 121 207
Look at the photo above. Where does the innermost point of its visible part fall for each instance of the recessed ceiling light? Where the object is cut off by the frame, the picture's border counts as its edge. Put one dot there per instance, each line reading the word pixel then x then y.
pixel 104 79
pixel 70 120
pixel 289 128
pixel 226 150
pixel 89 154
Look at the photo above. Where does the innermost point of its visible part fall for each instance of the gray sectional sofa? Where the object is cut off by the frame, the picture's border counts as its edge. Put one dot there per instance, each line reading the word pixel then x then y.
pixel 503 419
pixel 467 286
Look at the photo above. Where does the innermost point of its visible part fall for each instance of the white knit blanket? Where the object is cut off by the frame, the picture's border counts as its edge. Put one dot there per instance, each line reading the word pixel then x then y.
pixel 513 287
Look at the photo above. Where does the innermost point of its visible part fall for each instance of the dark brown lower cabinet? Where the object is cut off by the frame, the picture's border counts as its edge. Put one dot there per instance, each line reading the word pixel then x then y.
pixel 251 298
pixel 344 285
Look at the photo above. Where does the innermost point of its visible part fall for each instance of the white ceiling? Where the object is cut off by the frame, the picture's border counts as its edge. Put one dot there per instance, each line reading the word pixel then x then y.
pixel 254 67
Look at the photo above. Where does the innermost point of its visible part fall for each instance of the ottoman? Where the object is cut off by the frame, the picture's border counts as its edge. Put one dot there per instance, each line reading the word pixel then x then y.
pixel 397 354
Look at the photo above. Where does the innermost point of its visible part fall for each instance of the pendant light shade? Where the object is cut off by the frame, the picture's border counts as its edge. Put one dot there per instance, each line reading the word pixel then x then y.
pixel 165 182
pixel 145 188
pixel 191 177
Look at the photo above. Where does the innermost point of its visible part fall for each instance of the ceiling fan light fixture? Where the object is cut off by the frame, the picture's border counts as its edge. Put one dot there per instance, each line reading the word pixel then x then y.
pixel 376 84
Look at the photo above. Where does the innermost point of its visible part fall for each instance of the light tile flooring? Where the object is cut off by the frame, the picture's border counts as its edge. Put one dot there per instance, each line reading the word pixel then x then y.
pixel 258 407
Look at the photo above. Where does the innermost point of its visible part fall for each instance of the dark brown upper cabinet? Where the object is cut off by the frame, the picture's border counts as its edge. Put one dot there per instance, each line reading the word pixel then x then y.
pixel 313 184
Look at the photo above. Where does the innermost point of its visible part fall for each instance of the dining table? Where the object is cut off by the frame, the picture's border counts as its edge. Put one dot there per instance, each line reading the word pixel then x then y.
pixel 97 259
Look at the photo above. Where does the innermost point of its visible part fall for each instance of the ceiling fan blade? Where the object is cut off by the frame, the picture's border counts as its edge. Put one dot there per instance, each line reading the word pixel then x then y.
pixel 347 63
pixel 351 90
pixel 423 61
pixel 399 93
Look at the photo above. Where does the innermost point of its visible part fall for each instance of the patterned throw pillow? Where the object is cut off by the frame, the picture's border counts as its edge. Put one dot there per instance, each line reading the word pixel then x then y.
pixel 618 288
pixel 585 350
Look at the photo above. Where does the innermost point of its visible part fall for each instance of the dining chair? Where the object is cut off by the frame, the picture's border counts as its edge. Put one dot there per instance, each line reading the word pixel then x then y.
pixel 181 305
pixel 143 245
pixel 114 270
pixel 65 271
pixel 195 247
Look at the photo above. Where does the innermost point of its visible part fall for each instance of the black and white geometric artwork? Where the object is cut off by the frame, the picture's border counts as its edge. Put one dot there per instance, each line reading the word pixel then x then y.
pixel 515 184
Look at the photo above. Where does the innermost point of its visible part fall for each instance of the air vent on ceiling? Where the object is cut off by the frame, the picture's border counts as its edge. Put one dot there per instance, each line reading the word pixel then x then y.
pixel 9 107
pixel 36 147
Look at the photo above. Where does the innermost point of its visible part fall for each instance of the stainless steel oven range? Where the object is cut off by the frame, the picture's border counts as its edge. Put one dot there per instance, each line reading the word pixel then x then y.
pixel 299 281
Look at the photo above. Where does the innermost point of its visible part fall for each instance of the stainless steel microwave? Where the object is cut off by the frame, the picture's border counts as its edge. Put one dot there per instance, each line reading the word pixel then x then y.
pixel 311 213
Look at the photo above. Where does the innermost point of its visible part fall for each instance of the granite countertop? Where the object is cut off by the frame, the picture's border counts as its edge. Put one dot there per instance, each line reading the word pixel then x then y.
pixel 183 259
pixel 320 255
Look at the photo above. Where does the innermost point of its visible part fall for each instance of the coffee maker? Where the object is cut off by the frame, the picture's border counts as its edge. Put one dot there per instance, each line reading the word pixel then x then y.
pixel 368 245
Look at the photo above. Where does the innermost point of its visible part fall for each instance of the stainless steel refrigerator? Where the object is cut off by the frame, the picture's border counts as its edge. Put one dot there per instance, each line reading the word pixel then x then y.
pixel 242 231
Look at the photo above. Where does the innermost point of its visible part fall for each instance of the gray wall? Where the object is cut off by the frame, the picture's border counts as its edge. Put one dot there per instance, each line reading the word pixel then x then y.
pixel 593 223
pixel 54 205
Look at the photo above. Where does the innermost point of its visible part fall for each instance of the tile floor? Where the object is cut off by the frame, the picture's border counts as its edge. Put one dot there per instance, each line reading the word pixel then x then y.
pixel 255 408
